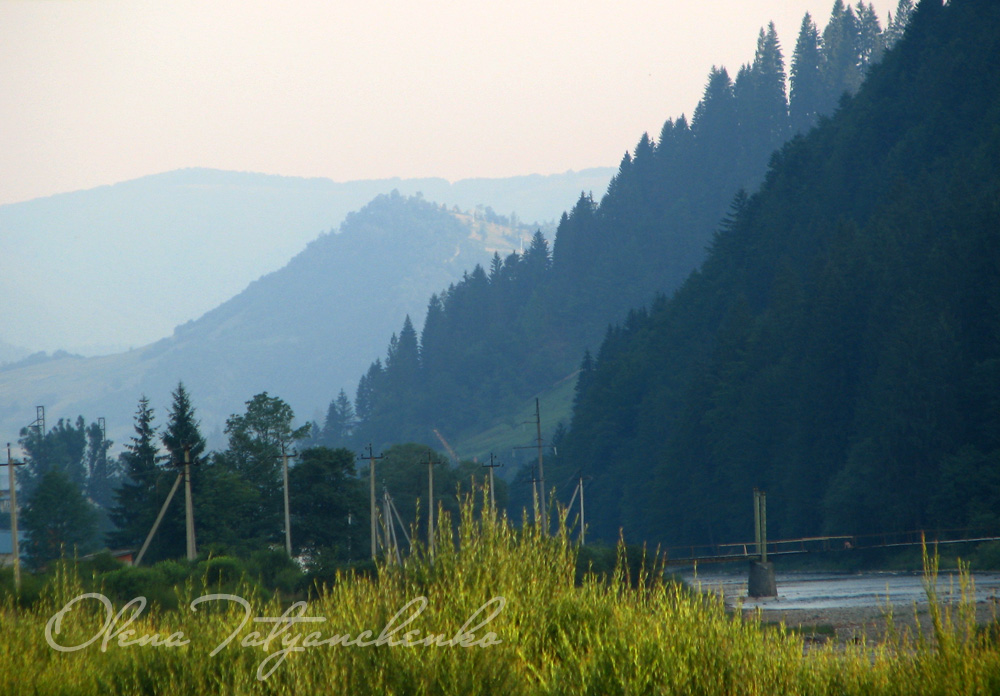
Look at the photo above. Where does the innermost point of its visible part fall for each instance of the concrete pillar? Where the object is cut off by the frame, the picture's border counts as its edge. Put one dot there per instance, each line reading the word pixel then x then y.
pixel 762 582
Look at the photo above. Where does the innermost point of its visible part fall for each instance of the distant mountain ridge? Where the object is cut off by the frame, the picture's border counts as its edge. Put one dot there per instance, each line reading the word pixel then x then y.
pixel 301 333
pixel 117 266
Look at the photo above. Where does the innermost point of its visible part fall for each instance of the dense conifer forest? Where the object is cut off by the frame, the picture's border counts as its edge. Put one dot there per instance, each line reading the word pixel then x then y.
pixel 502 334
pixel 839 346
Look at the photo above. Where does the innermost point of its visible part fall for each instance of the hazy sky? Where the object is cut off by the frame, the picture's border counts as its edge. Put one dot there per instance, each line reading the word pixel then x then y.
pixel 98 91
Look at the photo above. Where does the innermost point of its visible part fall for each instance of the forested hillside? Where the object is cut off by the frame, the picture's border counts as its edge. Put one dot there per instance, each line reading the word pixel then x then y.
pixel 840 346
pixel 500 335
pixel 293 332
pixel 215 230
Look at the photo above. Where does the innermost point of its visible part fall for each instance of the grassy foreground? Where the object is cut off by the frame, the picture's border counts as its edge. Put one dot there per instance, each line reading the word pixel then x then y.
pixel 548 636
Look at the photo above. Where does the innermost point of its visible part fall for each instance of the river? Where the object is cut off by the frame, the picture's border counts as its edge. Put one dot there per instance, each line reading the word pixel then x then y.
pixel 830 590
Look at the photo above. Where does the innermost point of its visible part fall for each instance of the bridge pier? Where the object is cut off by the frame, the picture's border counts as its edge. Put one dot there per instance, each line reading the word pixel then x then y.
pixel 761 582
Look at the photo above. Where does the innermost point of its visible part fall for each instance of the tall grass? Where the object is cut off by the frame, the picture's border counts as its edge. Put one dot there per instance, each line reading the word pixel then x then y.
pixel 626 635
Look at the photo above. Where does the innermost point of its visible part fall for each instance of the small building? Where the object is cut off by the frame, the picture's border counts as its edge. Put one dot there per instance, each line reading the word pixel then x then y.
pixel 7 547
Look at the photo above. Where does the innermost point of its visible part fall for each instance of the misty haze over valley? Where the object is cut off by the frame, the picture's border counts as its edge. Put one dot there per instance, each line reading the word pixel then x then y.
pixel 171 242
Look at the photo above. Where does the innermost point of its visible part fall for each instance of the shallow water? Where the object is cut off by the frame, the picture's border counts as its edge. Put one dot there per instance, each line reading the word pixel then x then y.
pixel 824 590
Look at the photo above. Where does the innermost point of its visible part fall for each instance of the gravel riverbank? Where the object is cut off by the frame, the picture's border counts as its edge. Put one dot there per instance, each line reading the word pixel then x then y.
pixel 849 606
pixel 850 624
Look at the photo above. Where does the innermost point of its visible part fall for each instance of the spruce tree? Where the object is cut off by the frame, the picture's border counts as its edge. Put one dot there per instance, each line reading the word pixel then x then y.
pixel 183 429
pixel 339 424
pixel 805 99
pixel 182 433
pixel 715 116
pixel 496 267
pixel 403 360
pixel 871 42
pixel 769 87
pixel 841 55
pixel 135 500
pixel 537 259
pixel 368 386
pixel 896 24
pixel 434 344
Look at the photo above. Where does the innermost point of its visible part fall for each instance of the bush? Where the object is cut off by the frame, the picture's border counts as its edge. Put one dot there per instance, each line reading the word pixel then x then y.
pixel 221 571
pixel 127 583
pixel 274 570
pixel 175 572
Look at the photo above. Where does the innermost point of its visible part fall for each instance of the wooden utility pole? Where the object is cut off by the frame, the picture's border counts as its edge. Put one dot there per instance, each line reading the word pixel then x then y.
pixel 430 504
pixel 491 466
pixel 371 481
pixel 540 511
pixel 541 470
pixel 288 523
pixel 389 531
pixel 15 542
pixel 192 550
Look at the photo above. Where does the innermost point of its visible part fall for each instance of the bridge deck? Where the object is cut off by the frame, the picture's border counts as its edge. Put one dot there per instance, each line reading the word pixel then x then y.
pixel 725 553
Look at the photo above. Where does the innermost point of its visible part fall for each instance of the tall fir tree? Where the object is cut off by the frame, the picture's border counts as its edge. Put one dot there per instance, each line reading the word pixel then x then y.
pixel 339 424
pixel 403 360
pixel 182 435
pixel 715 116
pixel 841 55
pixel 135 500
pixel 896 24
pixel 806 84
pixel 434 343
pixel 871 42
pixel 769 88
pixel 183 429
